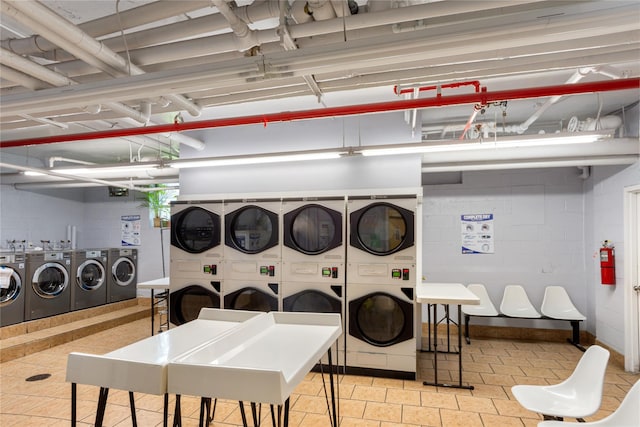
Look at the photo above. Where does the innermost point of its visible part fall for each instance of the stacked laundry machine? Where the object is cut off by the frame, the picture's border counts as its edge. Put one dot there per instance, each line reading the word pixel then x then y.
pixel 252 265
pixel 381 280
pixel 313 257
pixel 196 259
pixel 13 282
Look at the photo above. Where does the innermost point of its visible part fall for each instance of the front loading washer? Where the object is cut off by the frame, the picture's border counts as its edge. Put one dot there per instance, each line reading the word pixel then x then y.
pixel 48 292
pixel 252 265
pixel 381 339
pixel 122 274
pixel 88 278
pixel 196 255
pixel 12 288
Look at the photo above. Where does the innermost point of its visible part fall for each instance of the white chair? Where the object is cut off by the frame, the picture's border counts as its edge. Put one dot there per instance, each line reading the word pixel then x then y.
pixel 557 305
pixel 627 414
pixel 485 308
pixel 515 303
pixel 578 396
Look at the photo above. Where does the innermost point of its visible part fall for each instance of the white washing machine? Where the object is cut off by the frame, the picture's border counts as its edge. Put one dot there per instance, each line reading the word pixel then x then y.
pixel 381 279
pixel 48 292
pixel 122 274
pixel 252 266
pixel 313 258
pixel 196 255
pixel 12 288
pixel 89 278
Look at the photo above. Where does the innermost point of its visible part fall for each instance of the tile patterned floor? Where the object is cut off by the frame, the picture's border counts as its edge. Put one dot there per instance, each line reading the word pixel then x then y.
pixel 492 366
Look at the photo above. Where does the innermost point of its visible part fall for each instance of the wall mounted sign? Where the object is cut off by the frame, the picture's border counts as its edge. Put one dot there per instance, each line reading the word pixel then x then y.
pixel 477 234
pixel 130 229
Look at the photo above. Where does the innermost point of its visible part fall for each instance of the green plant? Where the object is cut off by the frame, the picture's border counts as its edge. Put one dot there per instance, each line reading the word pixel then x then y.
pixel 157 200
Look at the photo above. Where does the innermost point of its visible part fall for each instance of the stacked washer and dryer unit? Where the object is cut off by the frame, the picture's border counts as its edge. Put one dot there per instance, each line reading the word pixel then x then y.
pixel 196 259
pixel 313 258
pixel 381 281
pixel 253 255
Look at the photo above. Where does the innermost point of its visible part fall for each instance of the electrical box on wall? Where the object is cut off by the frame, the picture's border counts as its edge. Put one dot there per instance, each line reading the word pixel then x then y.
pixel 118 192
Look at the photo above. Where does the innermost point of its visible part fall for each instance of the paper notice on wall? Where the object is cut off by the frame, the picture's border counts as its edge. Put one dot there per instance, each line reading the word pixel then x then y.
pixel 477 234
pixel 130 229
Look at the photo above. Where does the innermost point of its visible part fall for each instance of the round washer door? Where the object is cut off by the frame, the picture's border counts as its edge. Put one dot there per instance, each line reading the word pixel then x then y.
pixel 123 271
pixel 312 229
pixel 12 290
pixel 313 301
pixel 185 304
pixel 50 280
pixel 251 299
pixel 382 229
pixel 90 275
pixel 251 229
pixel 195 230
pixel 381 319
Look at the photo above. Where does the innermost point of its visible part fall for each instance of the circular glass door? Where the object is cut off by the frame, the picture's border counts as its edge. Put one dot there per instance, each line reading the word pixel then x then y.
pixel 312 301
pixel 90 275
pixel 12 290
pixel 382 229
pixel 313 229
pixel 50 280
pixel 124 271
pixel 186 303
pixel 195 230
pixel 381 319
pixel 252 229
pixel 251 299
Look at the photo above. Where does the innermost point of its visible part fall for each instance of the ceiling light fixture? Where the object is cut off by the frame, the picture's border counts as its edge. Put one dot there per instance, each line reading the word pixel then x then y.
pixel 295 156
pixel 507 142
pixel 107 169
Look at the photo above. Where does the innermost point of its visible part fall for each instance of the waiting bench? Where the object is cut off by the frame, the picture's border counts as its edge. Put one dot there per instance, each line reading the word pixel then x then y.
pixel 556 305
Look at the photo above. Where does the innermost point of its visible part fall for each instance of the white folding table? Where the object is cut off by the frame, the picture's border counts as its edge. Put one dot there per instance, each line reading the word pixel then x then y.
pixel 162 285
pixel 445 294
pixel 262 361
pixel 142 366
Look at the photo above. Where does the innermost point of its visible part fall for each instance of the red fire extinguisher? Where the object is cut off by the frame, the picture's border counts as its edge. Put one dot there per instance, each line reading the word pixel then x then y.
pixel 607 264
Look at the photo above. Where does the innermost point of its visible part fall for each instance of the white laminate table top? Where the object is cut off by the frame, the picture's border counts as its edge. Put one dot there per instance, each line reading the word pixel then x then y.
pixel 445 293
pixel 262 361
pixel 142 366
pixel 162 283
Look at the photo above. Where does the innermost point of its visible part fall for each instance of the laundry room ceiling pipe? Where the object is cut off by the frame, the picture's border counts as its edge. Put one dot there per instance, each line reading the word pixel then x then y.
pixel 350 110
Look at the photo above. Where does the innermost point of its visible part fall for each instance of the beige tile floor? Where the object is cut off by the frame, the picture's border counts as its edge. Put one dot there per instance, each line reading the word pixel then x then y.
pixel 492 366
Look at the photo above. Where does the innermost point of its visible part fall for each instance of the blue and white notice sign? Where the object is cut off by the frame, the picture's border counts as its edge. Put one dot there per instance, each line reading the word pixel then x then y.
pixel 477 234
pixel 130 229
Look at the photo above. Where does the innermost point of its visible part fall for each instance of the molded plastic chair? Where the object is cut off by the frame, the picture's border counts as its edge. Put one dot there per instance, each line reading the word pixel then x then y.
pixel 578 396
pixel 515 303
pixel 557 304
pixel 627 414
pixel 486 307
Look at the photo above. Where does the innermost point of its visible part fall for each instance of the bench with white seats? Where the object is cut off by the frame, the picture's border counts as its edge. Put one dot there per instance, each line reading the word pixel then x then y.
pixel 556 305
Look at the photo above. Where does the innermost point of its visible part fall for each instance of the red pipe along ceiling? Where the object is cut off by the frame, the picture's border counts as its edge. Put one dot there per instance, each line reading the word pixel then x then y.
pixel 350 110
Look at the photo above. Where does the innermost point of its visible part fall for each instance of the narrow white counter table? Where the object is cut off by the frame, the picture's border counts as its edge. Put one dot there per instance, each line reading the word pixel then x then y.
pixel 142 366
pixel 445 294
pixel 163 286
pixel 262 361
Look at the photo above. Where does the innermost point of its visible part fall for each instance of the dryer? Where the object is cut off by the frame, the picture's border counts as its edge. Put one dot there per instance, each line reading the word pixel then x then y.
pixel 12 288
pixel 196 253
pixel 381 279
pixel 313 258
pixel 252 274
pixel 48 292
pixel 122 274
pixel 88 278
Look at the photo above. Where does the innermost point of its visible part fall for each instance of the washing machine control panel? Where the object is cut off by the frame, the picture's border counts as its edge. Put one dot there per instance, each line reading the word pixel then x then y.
pixel 330 272
pixel 268 270
pixel 400 273
pixel 210 269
